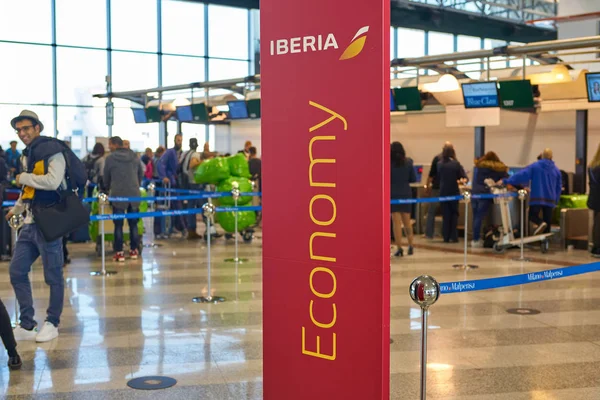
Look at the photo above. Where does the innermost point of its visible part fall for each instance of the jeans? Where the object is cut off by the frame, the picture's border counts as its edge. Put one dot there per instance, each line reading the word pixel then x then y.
pixel 480 211
pixel 191 204
pixel 431 211
pixel 450 221
pixel 31 245
pixel 6 330
pixel 534 216
pixel 134 235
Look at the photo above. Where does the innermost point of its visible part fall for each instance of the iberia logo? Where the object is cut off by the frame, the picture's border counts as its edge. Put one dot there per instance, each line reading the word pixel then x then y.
pixel 357 45
pixel 308 44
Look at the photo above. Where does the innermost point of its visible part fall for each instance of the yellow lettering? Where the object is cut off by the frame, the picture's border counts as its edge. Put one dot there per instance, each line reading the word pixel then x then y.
pixel 325 197
pixel 312 287
pixel 310 246
pixel 317 323
pixel 318 352
pixel 333 117
pixel 314 162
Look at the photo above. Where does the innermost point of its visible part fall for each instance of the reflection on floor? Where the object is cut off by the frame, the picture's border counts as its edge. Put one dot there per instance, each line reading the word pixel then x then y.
pixel 143 322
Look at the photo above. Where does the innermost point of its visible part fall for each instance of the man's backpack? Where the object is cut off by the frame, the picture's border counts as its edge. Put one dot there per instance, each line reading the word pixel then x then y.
pixel 75 174
pixel 90 163
pixel 183 177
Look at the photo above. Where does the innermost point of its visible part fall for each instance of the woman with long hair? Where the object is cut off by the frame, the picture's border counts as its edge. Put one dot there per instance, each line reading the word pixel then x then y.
pixel 594 201
pixel 450 172
pixel 402 175
pixel 487 167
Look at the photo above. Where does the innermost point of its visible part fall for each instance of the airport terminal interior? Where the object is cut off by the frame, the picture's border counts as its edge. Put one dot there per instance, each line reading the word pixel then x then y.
pixel 171 89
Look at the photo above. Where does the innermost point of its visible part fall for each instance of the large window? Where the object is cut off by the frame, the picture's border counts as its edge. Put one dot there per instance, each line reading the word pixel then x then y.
pixel 179 70
pixel 440 43
pixel 134 25
pixel 131 71
pixel 80 74
pixel 26 21
pixel 411 43
pixel 225 69
pixel 227 32
pixel 25 74
pixel 81 23
pixel 471 67
pixel 60 85
pixel 182 27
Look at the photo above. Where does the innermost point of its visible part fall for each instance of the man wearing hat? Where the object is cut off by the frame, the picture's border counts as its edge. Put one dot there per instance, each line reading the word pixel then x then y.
pixel 13 157
pixel 44 169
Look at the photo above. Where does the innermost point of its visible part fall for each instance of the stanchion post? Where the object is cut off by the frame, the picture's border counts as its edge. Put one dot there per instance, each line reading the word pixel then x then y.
pixel 208 211
pixel 102 203
pixel 465 264
pixel 235 193
pixel 522 197
pixel 424 291
pixel 152 193
pixel 16 222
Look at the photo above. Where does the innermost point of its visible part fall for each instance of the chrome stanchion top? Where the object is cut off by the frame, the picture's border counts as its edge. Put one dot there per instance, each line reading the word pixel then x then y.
pixel 16 221
pixel 103 199
pixel 522 194
pixel 424 291
pixel 209 209
pixel 151 186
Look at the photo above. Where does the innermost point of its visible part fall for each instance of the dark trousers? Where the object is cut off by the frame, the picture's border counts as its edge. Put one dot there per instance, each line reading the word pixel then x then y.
pixel 596 231
pixel 65 250
pixel 546 211
pixel 134 235
pixel 481 209
pixel 450 220
pixel 6 330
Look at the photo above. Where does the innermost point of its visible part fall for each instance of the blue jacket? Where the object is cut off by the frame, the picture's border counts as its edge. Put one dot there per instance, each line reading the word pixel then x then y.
pixel 13 159
pixel 546 182
pixel 167 165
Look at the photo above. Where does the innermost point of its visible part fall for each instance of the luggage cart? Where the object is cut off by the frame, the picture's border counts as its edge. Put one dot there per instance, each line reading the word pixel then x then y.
pixel 507 238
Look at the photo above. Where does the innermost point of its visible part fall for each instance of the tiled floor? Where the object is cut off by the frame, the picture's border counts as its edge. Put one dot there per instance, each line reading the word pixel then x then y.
pixel 142 322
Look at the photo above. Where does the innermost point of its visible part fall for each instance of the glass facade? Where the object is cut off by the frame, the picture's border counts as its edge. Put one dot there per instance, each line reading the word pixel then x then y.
pixel 69 49
pixel 72 49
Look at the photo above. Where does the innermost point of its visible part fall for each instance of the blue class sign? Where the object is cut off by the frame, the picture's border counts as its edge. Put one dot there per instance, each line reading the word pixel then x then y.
pixel 480 95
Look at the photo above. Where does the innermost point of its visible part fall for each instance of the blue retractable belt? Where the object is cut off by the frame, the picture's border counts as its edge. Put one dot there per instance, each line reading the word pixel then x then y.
pixel 514 280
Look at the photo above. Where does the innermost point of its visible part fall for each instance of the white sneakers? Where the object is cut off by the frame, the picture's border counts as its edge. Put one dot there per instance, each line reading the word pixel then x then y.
pixel 23 335
pixel 477 244
pixel 46 334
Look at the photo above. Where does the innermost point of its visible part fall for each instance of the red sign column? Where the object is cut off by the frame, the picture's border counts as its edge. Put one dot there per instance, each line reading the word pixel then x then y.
pixel 325 140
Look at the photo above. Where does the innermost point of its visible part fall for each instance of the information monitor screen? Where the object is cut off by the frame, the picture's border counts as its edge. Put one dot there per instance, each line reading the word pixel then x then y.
pixel 237 109
pixel 593 86
pixel 139 115
pixel 480 95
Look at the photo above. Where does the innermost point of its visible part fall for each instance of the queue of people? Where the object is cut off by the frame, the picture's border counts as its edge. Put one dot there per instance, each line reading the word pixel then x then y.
pixel 542 179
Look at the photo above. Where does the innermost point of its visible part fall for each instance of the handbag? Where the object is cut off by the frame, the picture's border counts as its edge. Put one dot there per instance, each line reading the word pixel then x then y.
pixel 63 217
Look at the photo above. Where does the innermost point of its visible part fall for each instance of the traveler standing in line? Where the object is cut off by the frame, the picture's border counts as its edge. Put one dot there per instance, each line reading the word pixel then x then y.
pixel 255 167
pixel 123 176
pixel 159 223
pixel 450 172
pixel 13 159
pixel 594 201
pixel 48 167
pixel 190 160
pixel 433 190
pixel 546 186
pixel 402 175
pixel 8 338
pixel 148 155
pixel 487 167
pixel 167 171
pixel 94 164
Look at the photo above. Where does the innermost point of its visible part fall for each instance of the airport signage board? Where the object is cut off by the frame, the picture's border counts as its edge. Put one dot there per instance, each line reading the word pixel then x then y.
pixel 325 93
pixel 480 94
pixel 516 94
